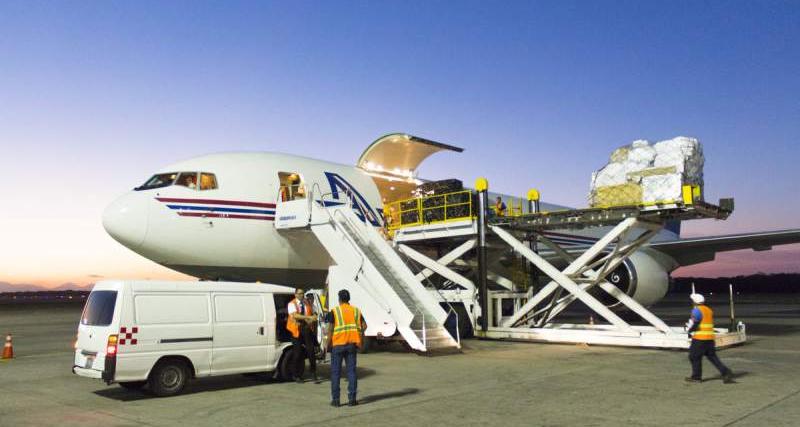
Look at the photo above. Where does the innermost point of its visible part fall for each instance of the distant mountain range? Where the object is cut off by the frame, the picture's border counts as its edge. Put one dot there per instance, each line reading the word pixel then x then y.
pixel 24 287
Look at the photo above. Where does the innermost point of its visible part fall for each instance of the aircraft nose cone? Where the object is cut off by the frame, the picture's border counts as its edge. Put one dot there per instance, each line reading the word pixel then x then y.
pixel 125 220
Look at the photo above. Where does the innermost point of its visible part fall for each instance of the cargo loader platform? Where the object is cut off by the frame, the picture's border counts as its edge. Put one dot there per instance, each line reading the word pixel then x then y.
pixel 631 227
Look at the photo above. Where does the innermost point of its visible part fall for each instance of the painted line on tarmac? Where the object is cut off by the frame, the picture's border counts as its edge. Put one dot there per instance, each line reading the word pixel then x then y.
pixel 763 408
pixel 34 356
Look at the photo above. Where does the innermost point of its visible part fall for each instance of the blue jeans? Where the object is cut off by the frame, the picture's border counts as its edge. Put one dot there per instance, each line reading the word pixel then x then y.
pixel 348 353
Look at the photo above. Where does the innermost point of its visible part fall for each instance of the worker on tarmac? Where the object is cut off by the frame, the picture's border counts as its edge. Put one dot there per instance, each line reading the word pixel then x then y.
pixel 701 328
pixel 500 207
pixel 302 324
pixel 343 343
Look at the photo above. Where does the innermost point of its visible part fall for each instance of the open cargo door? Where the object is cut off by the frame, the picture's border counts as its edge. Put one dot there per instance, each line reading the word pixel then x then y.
pixel 392 161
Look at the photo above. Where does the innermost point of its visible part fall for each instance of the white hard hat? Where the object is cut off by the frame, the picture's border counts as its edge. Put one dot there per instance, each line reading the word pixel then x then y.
pixel 697 298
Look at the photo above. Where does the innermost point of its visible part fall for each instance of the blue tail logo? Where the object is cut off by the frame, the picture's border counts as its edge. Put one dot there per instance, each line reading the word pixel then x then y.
pixel 359 204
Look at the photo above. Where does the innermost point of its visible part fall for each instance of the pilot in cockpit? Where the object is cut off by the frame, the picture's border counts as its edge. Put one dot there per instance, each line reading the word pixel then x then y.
pixel 189 181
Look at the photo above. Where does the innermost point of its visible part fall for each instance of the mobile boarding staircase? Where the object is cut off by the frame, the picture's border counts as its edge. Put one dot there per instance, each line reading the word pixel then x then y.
pixel 392 300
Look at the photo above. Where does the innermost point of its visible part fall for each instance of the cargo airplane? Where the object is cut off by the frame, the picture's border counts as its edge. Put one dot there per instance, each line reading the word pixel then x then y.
pixel 212 217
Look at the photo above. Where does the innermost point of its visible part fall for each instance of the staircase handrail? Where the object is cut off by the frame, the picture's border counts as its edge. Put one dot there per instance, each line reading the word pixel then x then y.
pixel 349 239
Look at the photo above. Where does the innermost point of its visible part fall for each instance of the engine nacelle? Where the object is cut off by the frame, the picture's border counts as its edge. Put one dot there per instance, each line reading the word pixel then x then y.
pixel 642 277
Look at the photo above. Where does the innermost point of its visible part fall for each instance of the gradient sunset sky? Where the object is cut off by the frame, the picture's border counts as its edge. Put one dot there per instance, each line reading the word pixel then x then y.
pixel 95 96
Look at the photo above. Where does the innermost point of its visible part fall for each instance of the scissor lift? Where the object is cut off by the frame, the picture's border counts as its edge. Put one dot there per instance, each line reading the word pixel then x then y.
pixel 631 228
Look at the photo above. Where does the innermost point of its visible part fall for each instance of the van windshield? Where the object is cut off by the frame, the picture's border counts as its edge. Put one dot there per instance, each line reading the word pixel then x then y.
pixel 99 308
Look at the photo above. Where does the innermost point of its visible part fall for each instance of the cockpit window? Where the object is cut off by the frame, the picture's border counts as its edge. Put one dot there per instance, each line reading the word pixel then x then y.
pixel 159 181
pixel 208 181
pixel 187 179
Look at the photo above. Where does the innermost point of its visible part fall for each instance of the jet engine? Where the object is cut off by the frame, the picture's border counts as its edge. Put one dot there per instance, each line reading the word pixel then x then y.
pixel 642 277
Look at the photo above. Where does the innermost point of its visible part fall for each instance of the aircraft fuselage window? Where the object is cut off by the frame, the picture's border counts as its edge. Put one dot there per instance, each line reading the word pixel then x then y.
pixel 159 181
pixel 188 180
pixel 291 186
pixel 208 181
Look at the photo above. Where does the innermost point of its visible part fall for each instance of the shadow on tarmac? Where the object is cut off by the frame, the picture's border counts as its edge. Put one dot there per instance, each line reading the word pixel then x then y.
pixel 226 382
pixel 388 395
pixel 735 376
pixel 195 386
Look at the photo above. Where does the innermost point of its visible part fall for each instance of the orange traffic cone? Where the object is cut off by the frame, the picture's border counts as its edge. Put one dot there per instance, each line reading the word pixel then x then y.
pixel 8 349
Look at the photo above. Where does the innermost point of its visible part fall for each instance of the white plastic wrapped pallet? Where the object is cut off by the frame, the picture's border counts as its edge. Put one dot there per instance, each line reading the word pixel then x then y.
pixel 648 173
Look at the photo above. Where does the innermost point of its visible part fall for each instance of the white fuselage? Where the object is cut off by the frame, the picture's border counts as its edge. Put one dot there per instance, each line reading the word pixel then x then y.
pixel 228 232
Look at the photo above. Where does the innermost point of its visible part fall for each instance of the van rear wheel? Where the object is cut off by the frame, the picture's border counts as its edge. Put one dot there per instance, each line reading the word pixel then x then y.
pixel 168 378
pixel 133 385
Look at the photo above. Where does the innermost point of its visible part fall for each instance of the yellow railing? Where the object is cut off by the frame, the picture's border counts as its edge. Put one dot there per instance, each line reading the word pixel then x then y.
pixel 429 210
pixel 513 209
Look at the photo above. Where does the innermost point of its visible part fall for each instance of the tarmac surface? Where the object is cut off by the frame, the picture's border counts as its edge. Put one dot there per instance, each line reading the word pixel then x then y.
pixel 492 382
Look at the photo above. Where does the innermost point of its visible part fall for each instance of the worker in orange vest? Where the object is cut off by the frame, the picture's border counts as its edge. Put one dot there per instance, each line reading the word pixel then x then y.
pixel 701 329
pixel 343 343
pixel 301 323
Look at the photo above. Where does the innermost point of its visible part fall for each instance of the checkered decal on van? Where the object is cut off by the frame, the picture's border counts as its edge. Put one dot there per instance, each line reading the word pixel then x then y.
pixel 127 337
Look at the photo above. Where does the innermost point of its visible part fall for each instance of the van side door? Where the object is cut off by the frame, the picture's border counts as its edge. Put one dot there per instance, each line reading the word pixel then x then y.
pixel 269 330
pixel 240 338
pixel 167 323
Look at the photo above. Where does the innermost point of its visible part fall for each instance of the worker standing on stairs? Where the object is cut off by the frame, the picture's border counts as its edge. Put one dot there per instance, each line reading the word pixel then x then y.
pixel 343 343
pixel 301 323
pixel 701 329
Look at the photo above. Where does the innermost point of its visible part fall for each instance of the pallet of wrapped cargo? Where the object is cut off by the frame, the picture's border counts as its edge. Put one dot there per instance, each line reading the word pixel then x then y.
pixel 438 187
pixel 648 174
pixel 617 195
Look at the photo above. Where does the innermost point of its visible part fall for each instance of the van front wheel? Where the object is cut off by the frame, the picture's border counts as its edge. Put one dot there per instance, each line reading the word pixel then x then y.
pixel 168 378
pixel 288 364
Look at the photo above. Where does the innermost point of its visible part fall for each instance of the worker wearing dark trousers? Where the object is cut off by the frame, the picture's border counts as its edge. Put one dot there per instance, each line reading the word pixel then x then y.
pixel 301 323
pixel 343 344
pixel 701 329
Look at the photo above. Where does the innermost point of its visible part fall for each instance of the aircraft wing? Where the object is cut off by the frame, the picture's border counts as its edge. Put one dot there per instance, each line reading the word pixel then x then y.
pixel 702 249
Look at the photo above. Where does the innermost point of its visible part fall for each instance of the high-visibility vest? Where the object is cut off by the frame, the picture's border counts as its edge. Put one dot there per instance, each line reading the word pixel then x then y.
pixel 346 325
pixel 291 324
pixel 705 331
pixel 500 207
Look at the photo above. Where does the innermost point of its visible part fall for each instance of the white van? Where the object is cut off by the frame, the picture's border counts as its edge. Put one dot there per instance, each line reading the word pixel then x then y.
pixel 160 334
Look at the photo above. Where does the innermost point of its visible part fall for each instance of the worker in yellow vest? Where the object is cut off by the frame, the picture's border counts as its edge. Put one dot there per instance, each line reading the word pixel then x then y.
pixel 701 329
pixel 344 340
pixel 499 207
pixel 302 325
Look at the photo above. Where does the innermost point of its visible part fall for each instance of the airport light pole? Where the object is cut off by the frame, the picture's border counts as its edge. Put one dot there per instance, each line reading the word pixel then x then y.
pixel 482 186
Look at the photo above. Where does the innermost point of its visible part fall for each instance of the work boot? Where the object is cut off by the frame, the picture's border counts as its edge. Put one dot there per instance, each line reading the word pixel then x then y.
pixel 298 380
pixel 316 379
pixel 728 378
pixel 353 402
pixel 693 380
pixel 335 403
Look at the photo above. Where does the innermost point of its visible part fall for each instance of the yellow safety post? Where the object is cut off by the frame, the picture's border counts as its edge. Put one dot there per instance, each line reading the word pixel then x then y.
pixel 688 195
pixel 533 200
